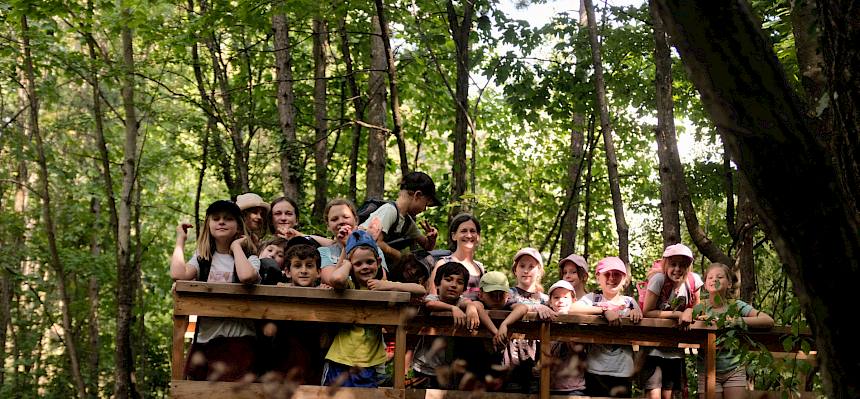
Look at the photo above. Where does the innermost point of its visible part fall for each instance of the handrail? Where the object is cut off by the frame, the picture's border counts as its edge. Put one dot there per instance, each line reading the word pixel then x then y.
pixel 396 309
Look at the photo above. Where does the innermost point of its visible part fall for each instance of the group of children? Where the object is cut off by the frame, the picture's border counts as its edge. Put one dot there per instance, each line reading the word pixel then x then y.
pixel 229 249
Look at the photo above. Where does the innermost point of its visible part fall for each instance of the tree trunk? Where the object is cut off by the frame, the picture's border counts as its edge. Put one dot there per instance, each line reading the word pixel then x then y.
pixel 665 131
pixel 93 296
pixel 745 259
pixel 606 130
pixel 586 232
pixel 776 147
pixel 16 251
pixel 358 105
pixel 376 142
pixel 290 153
pixel 124 362
pixel 460 30
pixel 392 86
pixel 574 175
pixel 729 190
pixel 47 214
pixel 320 52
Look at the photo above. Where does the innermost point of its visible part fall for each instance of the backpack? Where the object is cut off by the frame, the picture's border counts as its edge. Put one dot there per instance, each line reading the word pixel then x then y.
pixel 666 290
pixel 394 238
pixel 204 265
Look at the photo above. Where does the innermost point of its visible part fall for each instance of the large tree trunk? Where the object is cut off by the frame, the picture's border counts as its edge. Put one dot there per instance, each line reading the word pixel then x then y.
pixel 290 168
pixel 15 248
pixel 745 257
pixel 608 143
pixel 93 296
pixel 47 213
pixel 665 131
pixel 586 230
pixel 461 28
pixel 376 142
pixel 574 175
pixel 775 146
pixel 124 362
pixel 392 86
pixel 358 105
pixel 320 52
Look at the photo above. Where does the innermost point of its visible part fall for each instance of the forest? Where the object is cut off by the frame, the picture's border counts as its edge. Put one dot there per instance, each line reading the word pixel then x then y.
pixel 608 128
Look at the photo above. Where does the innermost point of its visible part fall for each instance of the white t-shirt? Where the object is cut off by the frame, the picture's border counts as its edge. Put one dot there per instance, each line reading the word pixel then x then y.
pixel 391 220
pixel 221 271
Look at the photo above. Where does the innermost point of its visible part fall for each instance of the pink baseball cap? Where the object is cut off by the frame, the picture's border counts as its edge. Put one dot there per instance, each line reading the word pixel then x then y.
pixel 530 252
pixel 577 260
pixel 610 263
pixel 678 249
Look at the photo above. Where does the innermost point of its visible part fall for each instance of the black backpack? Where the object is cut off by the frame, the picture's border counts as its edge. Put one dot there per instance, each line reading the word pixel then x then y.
pixel 394 238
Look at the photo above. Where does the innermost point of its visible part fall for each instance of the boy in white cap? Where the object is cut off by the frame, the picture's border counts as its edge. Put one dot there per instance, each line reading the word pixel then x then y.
pixel 567 366
pixel 672 294
pixel 610 367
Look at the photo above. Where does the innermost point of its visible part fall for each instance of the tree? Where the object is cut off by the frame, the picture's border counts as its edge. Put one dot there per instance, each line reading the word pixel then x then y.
pixel 461 30
pixel 321 61
pixel 376 142
pixel 777 146
pixel 290 177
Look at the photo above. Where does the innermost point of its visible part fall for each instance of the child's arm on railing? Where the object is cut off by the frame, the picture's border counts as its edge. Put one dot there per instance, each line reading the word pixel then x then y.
pixel 179 270
pixel 340 276
pixel 517 312
pixel 385 285
pixel 456 312
pixel 484 317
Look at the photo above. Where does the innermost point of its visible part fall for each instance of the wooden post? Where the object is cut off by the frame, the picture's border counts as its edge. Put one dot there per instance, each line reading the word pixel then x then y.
pixel 546 359
pixel 180 324
pixel 400 357
pixel 711 365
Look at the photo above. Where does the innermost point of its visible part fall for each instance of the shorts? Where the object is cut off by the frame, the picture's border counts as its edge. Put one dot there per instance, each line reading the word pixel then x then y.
pixel 735 378
pixel 349 376
pixel 662 373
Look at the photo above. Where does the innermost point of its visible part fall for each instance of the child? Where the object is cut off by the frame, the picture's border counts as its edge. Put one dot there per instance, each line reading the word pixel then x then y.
pixel 731 374
pixel 340 220
pixel 254 213
pixel 294 348
pixel 574 269
pixel 669 297
pixel 272 261
pixel 610 367
pixel 521 355
pixel 415 268
pixel 223 348
pixel 417 192
pixel 284 219
pixel 567 368
pixel 433 352
pixel 358 352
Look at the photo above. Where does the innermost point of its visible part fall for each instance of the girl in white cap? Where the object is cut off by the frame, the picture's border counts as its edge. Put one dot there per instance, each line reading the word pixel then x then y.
pixel 610 367
pixel 574 269
pixel 672 293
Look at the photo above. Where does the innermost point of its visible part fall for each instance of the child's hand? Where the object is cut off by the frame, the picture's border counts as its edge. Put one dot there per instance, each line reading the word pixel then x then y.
pixel 270 329
pixel 472 320
pixel 287 232
pixel 342 234
pixel 545 313
pixel 635 315
pixel 459 317
pixel 612 317
pixel 325 286
pixel 374 228
pixel 429 231
pixel 238 243
pixel 501 337
pixel 182 230
pixel 685 319
pixel 378 285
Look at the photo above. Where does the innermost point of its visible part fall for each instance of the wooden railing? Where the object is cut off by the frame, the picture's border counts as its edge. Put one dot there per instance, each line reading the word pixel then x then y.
pixel 395 311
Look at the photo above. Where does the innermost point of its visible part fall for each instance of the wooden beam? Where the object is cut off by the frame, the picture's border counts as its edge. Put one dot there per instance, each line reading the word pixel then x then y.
pixel 277 309
pixel 710 366
pixel 222 289
pixel 177 366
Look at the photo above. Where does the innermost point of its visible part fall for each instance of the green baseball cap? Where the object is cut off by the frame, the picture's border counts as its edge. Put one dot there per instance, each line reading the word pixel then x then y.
pixel 494 281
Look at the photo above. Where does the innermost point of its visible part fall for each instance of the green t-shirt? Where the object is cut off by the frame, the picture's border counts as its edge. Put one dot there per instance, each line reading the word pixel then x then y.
pixel 360 346
pixel 728 359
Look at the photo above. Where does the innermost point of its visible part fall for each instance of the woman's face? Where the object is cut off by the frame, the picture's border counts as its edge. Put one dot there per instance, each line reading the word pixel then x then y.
pixel 339 216
pixel 284 216
pixel 466 236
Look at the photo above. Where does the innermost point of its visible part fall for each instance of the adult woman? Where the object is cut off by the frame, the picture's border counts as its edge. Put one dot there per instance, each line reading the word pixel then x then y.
pixel 465 235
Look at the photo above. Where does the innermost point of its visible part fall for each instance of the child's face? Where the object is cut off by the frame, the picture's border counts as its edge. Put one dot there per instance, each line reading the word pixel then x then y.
pixel 569 274
pixel 365 265
pixel 676 267
pixel 254 218
pixel 494 300
pixel 414 273
pixel 339 216
pixel 451 287
pixel 223 226
pixel 303 272
pixel 717 280
pixel 283 216
pixel 273 252
pixel 560 299
pixel 466 235
pixel 419 203
pixel 611 282
pixel 527 271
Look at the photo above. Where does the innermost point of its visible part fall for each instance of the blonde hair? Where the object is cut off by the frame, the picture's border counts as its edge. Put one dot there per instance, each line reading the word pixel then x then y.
pixel 730 290
pixel 538 285
pixel 205 239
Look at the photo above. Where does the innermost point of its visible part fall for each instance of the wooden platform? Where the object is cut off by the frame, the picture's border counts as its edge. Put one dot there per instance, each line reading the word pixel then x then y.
pixel 396 311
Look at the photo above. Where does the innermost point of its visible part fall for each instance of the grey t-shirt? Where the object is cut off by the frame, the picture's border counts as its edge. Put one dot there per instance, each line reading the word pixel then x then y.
pixel 677 300
pixel 391 220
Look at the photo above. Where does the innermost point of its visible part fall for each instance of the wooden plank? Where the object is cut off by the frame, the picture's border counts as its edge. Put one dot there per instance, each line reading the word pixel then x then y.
pixel 399 357
pixel 710 348
pixel 255 308
pixel 180 389
pixel 546 360
pixel 226 289
pixel 177 366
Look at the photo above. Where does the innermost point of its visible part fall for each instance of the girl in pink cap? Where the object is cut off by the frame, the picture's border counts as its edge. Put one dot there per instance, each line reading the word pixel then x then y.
pixel 672 293
pixel 574 269
pixel 610 367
